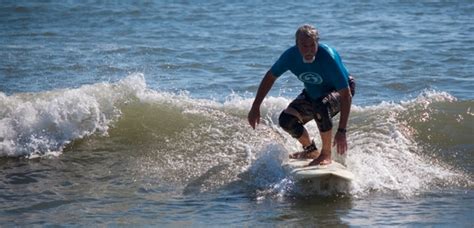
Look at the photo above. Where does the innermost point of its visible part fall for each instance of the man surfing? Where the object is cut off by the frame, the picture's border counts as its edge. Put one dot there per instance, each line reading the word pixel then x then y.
pixel 328 90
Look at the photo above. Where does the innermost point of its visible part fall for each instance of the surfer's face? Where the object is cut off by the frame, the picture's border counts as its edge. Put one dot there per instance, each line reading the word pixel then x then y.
pixel 307 47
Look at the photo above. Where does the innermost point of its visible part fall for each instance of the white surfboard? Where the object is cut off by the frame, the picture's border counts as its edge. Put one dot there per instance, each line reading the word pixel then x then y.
pixel 299 169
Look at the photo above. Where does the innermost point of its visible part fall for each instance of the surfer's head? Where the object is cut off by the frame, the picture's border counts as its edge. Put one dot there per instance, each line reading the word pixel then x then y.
pixel 307 38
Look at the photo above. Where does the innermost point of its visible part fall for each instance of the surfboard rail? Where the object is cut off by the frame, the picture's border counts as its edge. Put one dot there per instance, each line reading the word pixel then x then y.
pixel 299 169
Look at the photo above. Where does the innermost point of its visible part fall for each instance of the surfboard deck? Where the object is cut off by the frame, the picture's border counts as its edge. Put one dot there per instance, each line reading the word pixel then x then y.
pixel 299 169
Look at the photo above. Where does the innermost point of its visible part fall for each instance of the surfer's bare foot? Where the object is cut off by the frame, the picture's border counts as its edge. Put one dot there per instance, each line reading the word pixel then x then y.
pixel 309 152
pixel 323 159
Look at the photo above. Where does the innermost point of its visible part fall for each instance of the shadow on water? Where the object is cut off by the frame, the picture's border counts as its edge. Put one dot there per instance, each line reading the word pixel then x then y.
pixel 315 211
pixel 294 209
pixel 195 186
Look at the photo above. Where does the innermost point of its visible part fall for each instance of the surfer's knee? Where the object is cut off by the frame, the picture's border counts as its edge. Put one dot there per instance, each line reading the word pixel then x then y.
pixel 322 118
pixel 291 124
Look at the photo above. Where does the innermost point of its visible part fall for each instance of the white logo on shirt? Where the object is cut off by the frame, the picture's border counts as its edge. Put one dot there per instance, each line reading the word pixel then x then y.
pixel 311 78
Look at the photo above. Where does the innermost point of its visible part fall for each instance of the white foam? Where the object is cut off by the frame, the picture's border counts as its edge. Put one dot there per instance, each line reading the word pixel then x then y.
pixel 43 123
pixel 383 153
pixel 385 157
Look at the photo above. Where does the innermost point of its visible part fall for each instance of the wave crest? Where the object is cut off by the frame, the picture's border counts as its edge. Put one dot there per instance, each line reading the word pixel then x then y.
pixel 43 123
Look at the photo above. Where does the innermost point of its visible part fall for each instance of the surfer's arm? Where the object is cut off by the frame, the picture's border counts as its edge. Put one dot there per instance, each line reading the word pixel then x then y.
pixel 340 138
pixel 265 86
pixel 346 101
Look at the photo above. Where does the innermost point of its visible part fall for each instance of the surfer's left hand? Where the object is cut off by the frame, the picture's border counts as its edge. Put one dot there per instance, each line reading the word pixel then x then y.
pixel 341 142
pixel 254 117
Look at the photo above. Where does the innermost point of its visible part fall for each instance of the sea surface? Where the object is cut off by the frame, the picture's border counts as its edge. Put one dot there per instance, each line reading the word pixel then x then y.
pixel 134 113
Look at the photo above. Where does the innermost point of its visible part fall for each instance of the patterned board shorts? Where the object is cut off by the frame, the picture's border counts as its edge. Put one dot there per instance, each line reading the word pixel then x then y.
pixel 321 110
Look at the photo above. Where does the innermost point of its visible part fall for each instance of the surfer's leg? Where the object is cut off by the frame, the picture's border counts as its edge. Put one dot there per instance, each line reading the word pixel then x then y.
pixel 333 100
pixel 291 124
pixel 292 120
pixel 324 109
pixel 325 156
pixel 322 115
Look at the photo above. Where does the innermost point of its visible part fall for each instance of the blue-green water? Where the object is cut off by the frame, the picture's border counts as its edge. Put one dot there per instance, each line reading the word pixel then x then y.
pixel 124 113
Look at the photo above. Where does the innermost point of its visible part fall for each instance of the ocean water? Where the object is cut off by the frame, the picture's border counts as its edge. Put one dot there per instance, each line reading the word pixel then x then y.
pixel 126 113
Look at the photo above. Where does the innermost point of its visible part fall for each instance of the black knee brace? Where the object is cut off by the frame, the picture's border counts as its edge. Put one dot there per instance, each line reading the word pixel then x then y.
pixel 291 124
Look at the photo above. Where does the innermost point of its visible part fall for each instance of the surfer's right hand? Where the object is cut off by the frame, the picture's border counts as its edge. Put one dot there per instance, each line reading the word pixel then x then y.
pixel 254 117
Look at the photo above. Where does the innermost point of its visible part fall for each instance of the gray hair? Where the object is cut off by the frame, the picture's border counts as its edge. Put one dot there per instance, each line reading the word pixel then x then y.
pixel 307 30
